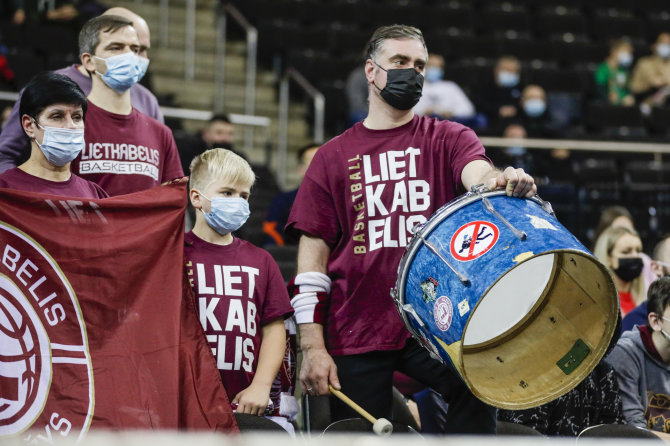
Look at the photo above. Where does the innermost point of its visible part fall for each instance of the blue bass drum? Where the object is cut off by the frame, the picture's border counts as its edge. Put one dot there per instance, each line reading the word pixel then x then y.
pixel 498 288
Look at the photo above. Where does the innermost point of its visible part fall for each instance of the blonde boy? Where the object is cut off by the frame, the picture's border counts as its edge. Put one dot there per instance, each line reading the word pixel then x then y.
pixel 240 294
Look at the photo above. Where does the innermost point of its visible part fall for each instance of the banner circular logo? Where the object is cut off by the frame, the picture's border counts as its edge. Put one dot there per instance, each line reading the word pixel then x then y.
pixel 43 345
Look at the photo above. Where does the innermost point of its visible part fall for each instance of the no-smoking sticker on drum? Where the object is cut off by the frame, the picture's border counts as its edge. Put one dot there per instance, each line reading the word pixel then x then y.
pixel 473 240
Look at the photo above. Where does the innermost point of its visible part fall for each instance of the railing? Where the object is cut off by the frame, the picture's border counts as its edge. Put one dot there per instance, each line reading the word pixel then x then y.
pixel 226 10
pixel 319 117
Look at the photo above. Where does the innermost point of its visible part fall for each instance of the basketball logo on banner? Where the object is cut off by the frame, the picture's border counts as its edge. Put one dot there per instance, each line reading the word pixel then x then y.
pixel 473 240
pixel 43 344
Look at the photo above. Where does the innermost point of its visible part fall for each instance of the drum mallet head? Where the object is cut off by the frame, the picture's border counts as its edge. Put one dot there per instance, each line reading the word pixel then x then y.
pixel 380 426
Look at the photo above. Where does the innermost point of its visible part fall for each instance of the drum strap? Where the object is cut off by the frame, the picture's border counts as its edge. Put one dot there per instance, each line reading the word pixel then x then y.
pixel 309 297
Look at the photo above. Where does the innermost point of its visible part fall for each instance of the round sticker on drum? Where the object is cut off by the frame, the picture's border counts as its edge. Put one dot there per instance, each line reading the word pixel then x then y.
pixel 473 240
pixel 443 313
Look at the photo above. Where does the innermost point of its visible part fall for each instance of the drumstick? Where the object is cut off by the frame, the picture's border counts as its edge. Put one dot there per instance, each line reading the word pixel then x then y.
pixel 380 426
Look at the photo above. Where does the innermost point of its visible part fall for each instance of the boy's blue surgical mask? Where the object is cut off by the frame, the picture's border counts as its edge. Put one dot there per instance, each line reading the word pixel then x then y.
pixel 60 146
pixel 625 59
pixel 123 71
pixel 534 107
pixel 226 214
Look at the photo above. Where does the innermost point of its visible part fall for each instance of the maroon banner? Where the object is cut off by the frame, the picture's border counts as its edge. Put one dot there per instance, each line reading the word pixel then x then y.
pixel 97 325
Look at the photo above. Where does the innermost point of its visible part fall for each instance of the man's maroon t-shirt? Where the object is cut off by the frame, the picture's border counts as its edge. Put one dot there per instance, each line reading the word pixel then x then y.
pixel 363 193
pixel 74 187
pixel 238 288
pixel 126 153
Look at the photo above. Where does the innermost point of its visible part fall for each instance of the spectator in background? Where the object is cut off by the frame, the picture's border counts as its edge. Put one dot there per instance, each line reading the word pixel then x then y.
pixel 533 113
pixel 12 10
pixel 515 155
pixel 660 265
pixel 641 359
pixel 651 76
pixel 442 99
pixel 357 95
pixel 280 208
pixel 612 77
pixel 52 113
pixel 218 133
pixel 500 100
pixel 619 216
pixel 620 249
pixel 12 140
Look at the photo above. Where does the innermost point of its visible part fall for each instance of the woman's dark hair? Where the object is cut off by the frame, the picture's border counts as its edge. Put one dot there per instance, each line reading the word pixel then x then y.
pixel 50 88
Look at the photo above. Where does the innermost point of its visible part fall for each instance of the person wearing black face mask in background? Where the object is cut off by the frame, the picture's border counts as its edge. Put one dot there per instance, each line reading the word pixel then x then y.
pixel 620 249
pixel 354 211
pixel 660 266
pixel 641 360
pixel 218 133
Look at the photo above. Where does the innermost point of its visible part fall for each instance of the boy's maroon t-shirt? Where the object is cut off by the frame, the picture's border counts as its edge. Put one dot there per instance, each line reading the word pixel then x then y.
pixel 126 153
pixel 363 193
pixel 238 288
pixel 74 187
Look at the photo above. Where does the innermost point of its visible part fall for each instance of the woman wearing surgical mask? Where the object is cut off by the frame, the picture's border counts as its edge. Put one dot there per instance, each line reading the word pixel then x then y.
pixel 651 76
pixel 52 111
pixel 613 75
pixel 620 249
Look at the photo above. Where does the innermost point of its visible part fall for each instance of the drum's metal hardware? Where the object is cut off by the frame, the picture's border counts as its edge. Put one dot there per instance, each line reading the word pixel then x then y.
pixel 409 309
pixel 521 235
pixel 546 206
pixel 435 250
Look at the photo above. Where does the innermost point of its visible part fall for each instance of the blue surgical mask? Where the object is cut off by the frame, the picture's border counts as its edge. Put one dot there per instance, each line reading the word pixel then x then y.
pixel 625 59
pixel 508 79
pixel 534 107
pixel 226 214
pixel 434 74
pixel 663 50
pixel 61 146
pixel 516 151
pixel 123 71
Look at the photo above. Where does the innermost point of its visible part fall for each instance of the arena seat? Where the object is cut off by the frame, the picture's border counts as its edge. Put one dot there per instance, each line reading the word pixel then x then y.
pixel 253 423
pixel 517 430
pixel 617 431
pixel 606 26
pixel 658 121
pixel 560 21
pixel 616 121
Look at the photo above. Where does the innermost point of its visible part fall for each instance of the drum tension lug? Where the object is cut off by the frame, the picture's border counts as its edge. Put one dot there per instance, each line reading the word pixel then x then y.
pixel 435 250
pixel 409 309
pixel 521 235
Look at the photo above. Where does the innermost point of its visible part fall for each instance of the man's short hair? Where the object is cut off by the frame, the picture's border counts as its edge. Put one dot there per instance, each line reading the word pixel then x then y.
pixel 305 148
pixel 50 88
pixel 658 296
pixel 89 36
pixel 219 117
pixel 384 33
pixel 219 164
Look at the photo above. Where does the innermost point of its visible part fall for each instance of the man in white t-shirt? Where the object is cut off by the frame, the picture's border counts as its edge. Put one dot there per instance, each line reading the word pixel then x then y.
pixel 442 99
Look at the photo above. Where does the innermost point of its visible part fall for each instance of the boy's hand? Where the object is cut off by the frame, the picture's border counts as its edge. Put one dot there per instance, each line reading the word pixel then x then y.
pixel 253 400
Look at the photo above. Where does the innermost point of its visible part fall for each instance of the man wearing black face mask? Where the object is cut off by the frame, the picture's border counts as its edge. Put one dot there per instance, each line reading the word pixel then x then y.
pixel 362 194
pixel 641 360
